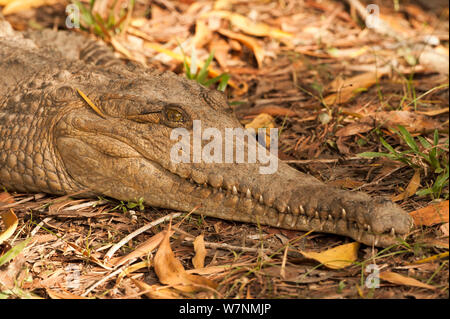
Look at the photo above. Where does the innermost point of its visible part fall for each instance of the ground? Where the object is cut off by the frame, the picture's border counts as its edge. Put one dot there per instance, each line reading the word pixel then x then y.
pixel 333 86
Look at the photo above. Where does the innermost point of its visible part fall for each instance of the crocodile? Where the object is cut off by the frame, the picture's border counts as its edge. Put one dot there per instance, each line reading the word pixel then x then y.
pixel 75 119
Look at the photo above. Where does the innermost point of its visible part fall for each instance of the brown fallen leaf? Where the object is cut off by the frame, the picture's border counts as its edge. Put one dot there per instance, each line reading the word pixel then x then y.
pixel 411 189
pixel 353 129
pixel 444 229
pixel 6 198
pixel 146 247
pixel 10 222
pixel 170 271
pixel 348 88
pixel 250 27
pixel 263 120
pixel 431 214
pixel 200 252
pixel 62 295
pixel 398 279
pixel 132 268
pixel 434 112
pixel 257 50
pixel 156 291
pixel 346 183
pixel 410 120
pixel 202 34
pixel 273 110
pixel 15 6
pixel 336 258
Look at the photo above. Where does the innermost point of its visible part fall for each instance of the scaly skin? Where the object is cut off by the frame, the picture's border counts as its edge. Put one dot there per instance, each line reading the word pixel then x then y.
pixel 53 142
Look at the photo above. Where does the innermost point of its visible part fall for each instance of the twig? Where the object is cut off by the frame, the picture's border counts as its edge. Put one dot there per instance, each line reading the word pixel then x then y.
pixel 139 231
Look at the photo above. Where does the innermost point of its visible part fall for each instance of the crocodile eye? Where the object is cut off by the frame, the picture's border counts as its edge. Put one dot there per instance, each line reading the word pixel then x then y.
pixel 174 115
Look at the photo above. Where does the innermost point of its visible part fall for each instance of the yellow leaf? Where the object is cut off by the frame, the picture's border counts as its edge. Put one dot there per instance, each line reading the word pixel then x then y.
pixel 431 214
pixel 337 257
pixel 91 104
pixel 432 258
pixel 403 280
pixel 202 34
pixel 263 120
pixel 10 222
pixel 250 27
pixel 241 87
pixel 22 5
pixel 132 268
pixel 258 51
pixel 200 252
pixel 170 271
pixel 411 189
pixel 348 88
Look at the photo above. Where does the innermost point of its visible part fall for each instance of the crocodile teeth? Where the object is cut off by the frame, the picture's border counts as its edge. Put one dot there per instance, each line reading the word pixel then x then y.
pixel 248 194
pixel 288 209
pixel 344 213
pixel 280 219
pixel 261 199
pixel 220 189
pixel 376 241
pixel 368 228
pixel 360 232
pixel 302 210
pixel 235 190
pixel 330 217
pixel 294 221
pixel 392 231
pixel 316 215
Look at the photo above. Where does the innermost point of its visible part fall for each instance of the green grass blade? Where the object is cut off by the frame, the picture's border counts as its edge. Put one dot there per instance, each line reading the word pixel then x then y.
pixel 388 146
pixel 376 154
pixel 408 138
pixel 201 77
pixel 14 251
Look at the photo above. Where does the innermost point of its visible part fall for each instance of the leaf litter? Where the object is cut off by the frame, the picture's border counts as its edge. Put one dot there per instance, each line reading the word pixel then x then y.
pixel 295 63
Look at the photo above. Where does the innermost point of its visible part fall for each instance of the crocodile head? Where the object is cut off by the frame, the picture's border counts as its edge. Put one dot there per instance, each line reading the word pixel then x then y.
pixel 125 150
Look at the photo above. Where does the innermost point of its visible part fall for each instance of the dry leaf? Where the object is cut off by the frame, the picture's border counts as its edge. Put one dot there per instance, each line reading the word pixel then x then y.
pixel 444 229
pixel 411 121
pixel 431 214
pixel 403 280
pixel 337 257
pixel 434 112
pixel 346 183
pixel 411 189
pixel 6 198
pixel 273 110
pixel 170 271
pixel 241 88
pixel 200 252
pixel 220 48
pixel 258 51
pixel 263 120
pixel 62 295
pixel 22 5
pixel 353 129
pixel 156 291
pixel 10 222
pixel 348 88
pixel 132 268
pixel 146 247
pixel 250 27
pixel 202 34
pixel 431 258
